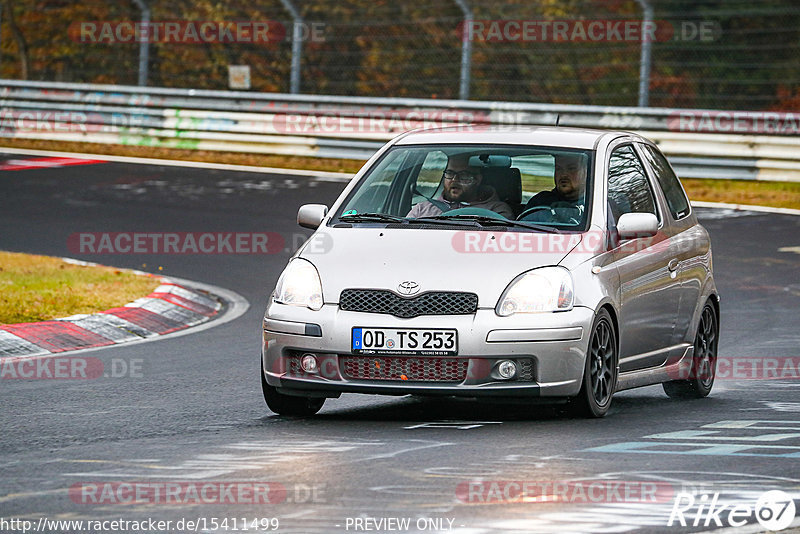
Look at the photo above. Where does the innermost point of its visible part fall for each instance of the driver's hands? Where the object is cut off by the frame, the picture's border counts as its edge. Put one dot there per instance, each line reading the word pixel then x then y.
pixel 558 212
pixel 565 212
pixel 564 215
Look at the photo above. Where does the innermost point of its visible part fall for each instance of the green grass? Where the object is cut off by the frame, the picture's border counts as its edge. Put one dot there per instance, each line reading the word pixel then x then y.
pixel 38 288
pixel 775 194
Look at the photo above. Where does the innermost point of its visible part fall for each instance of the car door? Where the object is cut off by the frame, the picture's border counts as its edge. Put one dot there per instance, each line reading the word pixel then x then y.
pixel 649 288
pixel 689 244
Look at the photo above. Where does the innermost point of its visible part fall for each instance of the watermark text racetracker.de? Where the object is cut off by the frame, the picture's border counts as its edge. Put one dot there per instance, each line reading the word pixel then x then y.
pixel 193 492
pixel 475 242
pixel 175 243
pixel 57 121
pixel 260 32
pixel 563 491
pixel 739 122
pixel 743 368
pixel 588 31
pixel 378 121
pixel 70 368
pixel 195 243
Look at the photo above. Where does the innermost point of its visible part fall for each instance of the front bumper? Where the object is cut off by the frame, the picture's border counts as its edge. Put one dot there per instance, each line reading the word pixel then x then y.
pixel 555 343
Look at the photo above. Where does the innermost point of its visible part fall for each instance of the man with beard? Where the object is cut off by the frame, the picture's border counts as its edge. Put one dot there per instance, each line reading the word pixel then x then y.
pixel 566 200
pixel 462 189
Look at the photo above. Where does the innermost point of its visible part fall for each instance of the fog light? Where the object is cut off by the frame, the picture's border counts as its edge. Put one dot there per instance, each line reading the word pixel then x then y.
pixel 309 363
pixel 507 369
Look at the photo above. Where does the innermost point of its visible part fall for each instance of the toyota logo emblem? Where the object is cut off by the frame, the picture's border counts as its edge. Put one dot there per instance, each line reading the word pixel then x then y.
pixel 408 287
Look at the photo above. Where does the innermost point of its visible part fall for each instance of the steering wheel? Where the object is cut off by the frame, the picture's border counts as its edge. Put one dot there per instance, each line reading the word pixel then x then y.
pixel 479 212
pixel 532 210
pixel 556 213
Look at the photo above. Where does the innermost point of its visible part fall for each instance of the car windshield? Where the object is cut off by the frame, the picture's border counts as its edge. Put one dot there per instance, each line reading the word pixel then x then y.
pixel 534 188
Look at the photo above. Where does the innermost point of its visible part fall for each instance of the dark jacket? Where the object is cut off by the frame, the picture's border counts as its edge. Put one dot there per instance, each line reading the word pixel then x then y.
pixel 548 198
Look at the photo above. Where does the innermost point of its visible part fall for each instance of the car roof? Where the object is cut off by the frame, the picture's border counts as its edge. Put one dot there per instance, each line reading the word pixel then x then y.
pixel 563 137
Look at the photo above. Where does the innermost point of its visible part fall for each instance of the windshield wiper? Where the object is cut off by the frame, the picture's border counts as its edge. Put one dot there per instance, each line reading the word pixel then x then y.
pixel 382 217
pixel 449 220
pixel 371 217
pixel 491 221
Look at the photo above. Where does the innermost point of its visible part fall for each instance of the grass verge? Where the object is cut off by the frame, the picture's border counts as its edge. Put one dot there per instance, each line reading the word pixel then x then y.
pixel 38 288
pixel 233 158
pixel 775 194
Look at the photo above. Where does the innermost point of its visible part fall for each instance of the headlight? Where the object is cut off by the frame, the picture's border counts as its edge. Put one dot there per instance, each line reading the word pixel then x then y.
pixel 541 290
pixel 299 285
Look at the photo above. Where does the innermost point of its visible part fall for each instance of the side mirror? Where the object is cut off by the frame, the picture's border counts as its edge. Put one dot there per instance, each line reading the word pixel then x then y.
pixel 635 225
pixel 311 215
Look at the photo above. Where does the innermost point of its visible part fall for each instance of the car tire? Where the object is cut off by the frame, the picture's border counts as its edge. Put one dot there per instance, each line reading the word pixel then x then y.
pixel 287 404
pixel 704 361
pixel 600 371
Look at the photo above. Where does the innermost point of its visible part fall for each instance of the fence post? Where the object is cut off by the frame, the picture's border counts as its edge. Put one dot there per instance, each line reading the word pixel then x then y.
pixel 144 44
pixel 646 59
pixel 297 46
pixel 466 51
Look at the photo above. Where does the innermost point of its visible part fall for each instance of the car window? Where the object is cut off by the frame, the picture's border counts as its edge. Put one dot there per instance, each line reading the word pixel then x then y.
pixel 537 173
pixel 487 180
pixel 676 199
pixel 429 179
pixel 372 194
pixel 628 188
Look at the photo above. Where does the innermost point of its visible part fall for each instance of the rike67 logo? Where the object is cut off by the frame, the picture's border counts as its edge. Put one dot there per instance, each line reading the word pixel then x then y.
pixel 774 510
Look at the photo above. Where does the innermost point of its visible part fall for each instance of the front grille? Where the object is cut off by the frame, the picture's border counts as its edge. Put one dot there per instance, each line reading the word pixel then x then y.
pixel 525 369
pixel 293 365
pixel 431 303
pixel 404 368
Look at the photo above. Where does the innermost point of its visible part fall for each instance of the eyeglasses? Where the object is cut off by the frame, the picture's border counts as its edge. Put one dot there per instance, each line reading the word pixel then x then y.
pixel 463 177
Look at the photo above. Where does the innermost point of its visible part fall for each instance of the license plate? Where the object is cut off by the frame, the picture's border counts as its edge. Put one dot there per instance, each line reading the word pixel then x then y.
pixel 412 341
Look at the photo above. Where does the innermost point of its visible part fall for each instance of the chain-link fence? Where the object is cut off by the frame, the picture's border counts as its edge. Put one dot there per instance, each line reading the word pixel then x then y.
pixel 729 54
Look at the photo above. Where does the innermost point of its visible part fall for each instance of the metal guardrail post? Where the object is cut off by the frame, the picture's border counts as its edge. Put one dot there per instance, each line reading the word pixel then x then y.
pixel 297 46
pixel 466 51
pixel 646 59
pixel 144 44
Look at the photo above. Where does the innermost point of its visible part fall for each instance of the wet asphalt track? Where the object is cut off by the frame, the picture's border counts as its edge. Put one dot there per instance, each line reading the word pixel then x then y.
pixel 196 412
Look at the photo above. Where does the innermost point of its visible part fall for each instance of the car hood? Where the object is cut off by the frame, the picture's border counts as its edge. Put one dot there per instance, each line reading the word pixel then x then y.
pixel 480 262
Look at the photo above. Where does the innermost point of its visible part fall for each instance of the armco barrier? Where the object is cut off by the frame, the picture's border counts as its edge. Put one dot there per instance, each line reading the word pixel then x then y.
pixel 354 127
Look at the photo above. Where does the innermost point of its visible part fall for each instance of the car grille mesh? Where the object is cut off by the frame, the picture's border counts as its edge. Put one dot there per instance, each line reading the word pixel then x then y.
pixel 404 368
pixel 413 368
pixel 294 367
pixel 525 369
pixel 431 303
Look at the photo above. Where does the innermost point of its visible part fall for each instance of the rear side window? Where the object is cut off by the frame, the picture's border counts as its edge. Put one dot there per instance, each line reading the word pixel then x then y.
pixel 676 198
pixel 628 188
pixel 536 171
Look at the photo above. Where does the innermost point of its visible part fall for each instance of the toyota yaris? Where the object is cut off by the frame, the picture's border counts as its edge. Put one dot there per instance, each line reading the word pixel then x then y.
pixel 548 264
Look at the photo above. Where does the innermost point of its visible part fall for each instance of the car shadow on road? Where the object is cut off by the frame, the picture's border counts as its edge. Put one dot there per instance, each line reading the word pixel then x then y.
pixel 421 409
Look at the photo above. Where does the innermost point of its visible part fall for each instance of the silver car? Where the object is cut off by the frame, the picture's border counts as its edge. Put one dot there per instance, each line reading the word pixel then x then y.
pixel 548 264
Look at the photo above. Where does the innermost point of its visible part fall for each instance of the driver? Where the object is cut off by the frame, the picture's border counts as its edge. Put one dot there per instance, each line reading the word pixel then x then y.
pixel 570 181
pixel 462 189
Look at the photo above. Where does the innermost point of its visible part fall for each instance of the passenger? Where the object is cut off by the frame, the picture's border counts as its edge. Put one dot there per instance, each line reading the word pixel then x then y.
pixel 570 184
pixel 462 189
